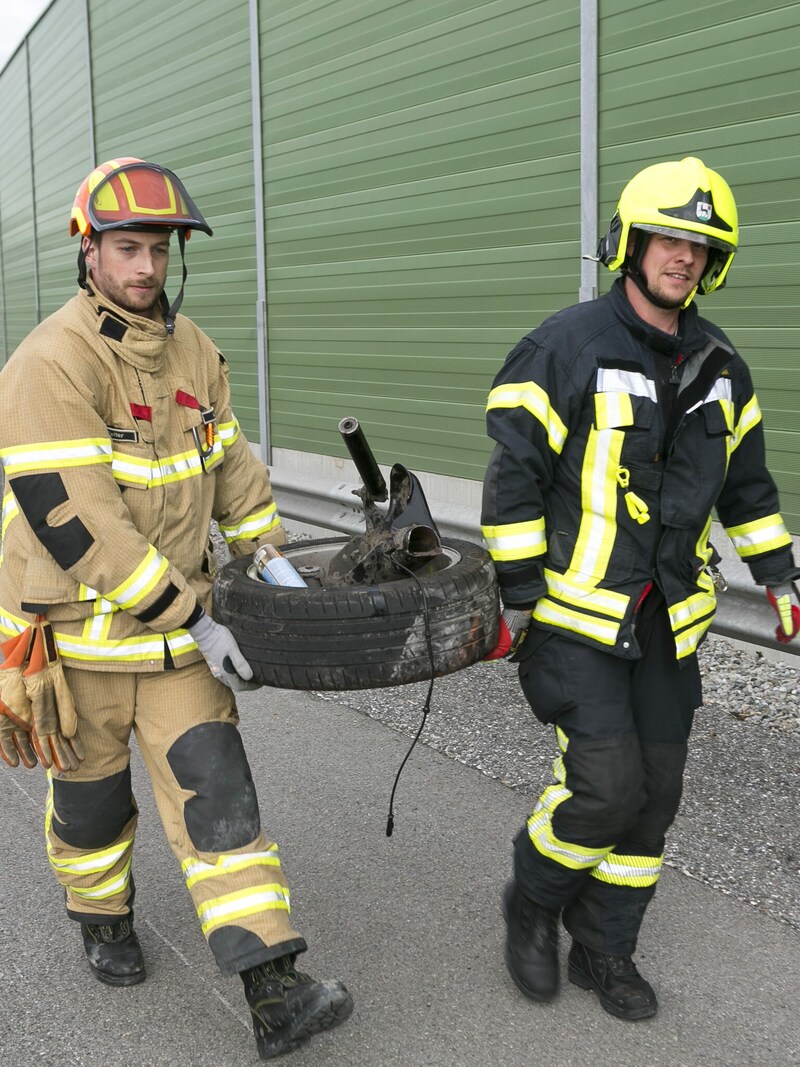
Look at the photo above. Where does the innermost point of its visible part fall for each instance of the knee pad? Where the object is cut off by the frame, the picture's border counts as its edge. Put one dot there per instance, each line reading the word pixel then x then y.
pixel 607 781
pixel 90 815
pixel 209 759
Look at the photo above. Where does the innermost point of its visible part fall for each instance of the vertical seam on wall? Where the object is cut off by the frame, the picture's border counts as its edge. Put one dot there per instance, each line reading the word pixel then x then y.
pixel 262 336
pixel 589 168
pixel 90 84
pixel 34 228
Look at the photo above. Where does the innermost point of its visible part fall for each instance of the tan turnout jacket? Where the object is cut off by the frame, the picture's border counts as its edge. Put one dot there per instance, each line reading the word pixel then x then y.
pixel 119 446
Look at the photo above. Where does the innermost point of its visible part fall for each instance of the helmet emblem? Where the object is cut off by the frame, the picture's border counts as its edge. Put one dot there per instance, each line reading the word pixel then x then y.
pixel 704 210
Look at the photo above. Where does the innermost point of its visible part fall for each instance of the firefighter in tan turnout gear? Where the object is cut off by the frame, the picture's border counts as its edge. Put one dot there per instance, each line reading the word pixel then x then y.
pixel 119 446
pixel 619 424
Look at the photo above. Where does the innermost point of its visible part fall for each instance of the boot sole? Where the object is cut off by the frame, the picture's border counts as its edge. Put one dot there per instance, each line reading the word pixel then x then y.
pixel 329 1008
pixel 121 980
pixel 585 981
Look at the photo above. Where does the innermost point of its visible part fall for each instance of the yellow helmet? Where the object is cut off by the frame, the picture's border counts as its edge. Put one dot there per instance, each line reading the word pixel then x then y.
pixel 683 199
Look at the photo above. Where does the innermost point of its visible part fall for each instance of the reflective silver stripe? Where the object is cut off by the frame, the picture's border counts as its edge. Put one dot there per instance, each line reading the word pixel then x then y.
pixel 720 390
pixel 195 870
pixel 761 535
pixel 55 454
pixel 246 902
pixel 517 540
pixel 142 581
pixel 638 871
pixel 750 417
pixel 252 525
pixel 582 592
pixel 615 380
pixel 108 889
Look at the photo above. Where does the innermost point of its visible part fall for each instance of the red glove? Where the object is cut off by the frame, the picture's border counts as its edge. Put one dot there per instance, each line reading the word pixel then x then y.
pixel 785 602
pixel 514 623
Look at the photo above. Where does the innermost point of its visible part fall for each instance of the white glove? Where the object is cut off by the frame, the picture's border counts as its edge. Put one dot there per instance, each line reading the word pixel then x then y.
pixel 224 658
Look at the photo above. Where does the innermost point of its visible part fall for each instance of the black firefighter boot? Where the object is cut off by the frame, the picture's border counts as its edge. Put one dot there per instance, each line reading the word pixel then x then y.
pixel 113 952
pixel 288 1006
pixel 621 989
pixel 531 944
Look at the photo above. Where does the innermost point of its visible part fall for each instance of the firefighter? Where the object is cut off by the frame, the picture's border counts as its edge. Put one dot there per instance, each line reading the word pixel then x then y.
pixel 619 424
pixel 119 446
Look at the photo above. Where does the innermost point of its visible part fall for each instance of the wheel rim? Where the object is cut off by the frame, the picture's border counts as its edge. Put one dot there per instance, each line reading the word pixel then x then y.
pixel 311 560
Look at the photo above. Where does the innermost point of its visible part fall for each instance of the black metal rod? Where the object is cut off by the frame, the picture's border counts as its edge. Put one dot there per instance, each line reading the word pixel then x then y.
pixel 361 455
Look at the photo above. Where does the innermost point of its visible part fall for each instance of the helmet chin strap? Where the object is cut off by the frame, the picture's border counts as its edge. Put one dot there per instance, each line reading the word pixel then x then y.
pixel 170 311
pixel 632 268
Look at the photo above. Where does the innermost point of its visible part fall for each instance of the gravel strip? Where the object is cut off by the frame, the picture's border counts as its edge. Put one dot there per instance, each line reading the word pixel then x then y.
pixel 737 829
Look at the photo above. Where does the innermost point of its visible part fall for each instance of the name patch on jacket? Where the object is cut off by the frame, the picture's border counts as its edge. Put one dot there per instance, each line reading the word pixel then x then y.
pixel 117 434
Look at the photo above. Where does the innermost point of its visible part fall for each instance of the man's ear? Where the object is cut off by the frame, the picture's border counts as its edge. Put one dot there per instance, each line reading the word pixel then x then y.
pixel 88 247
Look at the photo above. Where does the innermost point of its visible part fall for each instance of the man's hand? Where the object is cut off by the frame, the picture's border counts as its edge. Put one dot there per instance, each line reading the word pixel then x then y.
pixel 224 658
pixel 785 601
pixel 514 623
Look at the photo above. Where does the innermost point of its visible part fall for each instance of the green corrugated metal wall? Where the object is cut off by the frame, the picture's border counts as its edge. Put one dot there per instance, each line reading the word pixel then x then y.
pixel 61 143
pixel 184 100
pixel 19 278
pixel 721 81
pixel 407 250
pixel 421 163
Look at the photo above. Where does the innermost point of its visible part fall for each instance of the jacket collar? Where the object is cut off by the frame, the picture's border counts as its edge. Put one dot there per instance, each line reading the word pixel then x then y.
pixel 689 338
pixel 139 341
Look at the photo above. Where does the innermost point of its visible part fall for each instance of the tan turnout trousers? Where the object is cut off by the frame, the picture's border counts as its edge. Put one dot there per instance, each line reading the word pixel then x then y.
pixel 185 725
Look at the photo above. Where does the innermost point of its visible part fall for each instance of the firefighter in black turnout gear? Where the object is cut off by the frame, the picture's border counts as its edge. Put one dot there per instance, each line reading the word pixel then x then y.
pixel 619 424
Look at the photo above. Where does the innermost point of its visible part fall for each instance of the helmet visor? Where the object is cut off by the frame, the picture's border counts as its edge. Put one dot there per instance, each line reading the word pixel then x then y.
pixel 142 194
pixel 685 235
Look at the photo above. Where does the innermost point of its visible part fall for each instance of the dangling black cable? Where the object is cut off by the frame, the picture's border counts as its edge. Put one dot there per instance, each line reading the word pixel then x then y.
pixel 427 705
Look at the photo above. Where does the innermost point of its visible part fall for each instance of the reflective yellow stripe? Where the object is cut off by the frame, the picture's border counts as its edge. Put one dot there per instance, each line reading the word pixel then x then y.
pixel 635 871
pixel 516 540
pixel 234 906
pixel 535 400
pixel 252 526
pixel 91 649
pixel 688 641
pixel 195 870
pixel 750 417
pixel 88 648
pixel 228 432
pixel 613 409
pixel 131 470
pixel 142 582
pixel 10 511
pixel 583 593
pixel 761 535
pixel 52 455
pixel 598 503
pixel 540 832
pixel 556 615
pixel 110 888
pixel 695 607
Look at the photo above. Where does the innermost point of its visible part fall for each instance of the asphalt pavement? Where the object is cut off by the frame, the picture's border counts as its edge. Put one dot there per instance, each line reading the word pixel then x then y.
pixel 410 923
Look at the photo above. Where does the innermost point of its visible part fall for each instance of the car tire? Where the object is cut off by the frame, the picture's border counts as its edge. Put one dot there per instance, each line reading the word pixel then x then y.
pixel 361 637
